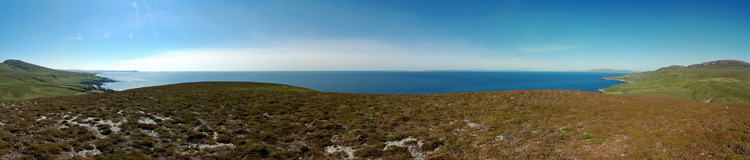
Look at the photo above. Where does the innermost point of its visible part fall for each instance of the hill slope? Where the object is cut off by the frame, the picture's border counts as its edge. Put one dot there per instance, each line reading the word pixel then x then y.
pixel 716 81
pixel 21 80
pixel 267 121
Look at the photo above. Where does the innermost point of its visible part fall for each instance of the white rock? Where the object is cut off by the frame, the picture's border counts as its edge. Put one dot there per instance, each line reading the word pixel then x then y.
pixel 348 150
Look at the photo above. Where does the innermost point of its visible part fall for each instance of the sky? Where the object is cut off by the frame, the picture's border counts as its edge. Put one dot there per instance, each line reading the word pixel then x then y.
pixel 330 35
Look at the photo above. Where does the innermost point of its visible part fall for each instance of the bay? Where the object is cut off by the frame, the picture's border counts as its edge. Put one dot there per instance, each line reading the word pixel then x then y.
pixel 379 82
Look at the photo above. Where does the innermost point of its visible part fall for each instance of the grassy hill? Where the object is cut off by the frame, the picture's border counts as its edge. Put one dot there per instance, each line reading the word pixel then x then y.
pixel 223 120
pixel 716 81
pixel 21 80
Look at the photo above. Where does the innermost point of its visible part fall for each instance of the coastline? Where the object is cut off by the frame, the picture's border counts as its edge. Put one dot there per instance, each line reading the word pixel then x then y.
pixel 602 90
pixel 97 84
pixel 386 83
pixel 612 79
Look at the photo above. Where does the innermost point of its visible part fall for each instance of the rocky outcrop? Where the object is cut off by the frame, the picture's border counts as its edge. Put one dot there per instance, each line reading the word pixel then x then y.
pixel 718 63
pixel 96 85
pixel 731 63
pixel 672 67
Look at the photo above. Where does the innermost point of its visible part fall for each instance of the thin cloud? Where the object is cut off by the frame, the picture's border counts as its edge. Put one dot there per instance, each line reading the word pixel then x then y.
pixel 79 37
pixel 548 48
pixel 106 34
pixel 159 13
pixel 137 15
pixel 148 8
pixel 130 35
pixel 151 17
pixel 329 55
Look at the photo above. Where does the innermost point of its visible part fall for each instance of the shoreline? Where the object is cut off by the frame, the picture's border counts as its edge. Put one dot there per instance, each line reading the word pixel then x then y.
pixel 98 83
pixel 602 90
pixel 585 78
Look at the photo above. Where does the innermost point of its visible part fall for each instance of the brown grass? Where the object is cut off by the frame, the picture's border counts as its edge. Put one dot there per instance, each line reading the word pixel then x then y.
pixel 267 121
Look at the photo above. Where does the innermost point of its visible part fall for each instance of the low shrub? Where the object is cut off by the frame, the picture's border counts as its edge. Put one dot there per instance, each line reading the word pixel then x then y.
pixel 147 126
pixel 368 152
pixel 224 139
pixel 44 151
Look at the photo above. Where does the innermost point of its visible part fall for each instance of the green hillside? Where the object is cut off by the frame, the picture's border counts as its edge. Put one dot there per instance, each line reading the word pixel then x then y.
pixel 716 81
pixel 235 120
pixel 21 80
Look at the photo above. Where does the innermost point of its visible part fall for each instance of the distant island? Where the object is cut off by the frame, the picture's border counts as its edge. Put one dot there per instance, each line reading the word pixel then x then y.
pixel 610 71
pixel 433 71
pixel 21 80
pixel 715 81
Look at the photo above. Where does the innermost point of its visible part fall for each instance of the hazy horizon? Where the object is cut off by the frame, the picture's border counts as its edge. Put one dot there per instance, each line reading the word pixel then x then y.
pixel 390 35
pixel 467 70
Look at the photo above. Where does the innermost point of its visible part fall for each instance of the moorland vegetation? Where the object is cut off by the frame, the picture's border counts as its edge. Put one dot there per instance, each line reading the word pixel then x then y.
pixel 235 120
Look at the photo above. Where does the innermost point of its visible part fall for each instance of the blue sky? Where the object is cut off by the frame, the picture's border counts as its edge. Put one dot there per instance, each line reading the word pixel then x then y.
pixel 275 35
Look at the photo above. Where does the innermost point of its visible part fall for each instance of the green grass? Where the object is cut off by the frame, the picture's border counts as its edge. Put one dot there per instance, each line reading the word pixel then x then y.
pixel 270 121
pixel 20 80
pixel 716 83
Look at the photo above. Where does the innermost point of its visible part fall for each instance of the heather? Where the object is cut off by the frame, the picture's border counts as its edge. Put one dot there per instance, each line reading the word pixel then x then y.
pixel 225 120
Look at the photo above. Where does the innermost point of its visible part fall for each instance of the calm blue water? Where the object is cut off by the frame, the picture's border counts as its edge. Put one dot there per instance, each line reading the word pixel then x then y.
pixel 380 82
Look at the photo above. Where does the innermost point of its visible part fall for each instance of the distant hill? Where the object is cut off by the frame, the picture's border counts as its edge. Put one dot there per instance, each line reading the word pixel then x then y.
pixel 715 81
pixel 97 71
pixel 21 80
pixel 23 66
pixel 610 71
pixel 237 120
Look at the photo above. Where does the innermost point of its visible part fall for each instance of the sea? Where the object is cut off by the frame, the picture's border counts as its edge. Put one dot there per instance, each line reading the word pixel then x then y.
pixel 380 82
